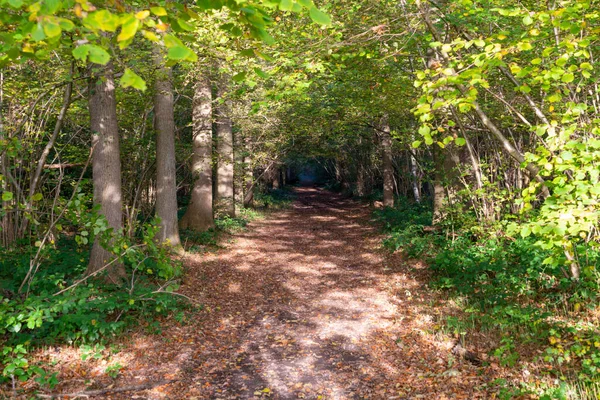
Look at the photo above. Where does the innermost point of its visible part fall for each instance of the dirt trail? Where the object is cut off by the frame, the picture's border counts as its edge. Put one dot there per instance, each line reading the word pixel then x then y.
pixel 305 305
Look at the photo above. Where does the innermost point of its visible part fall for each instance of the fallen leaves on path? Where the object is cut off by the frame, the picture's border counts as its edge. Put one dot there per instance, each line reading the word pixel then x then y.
pixel 306 305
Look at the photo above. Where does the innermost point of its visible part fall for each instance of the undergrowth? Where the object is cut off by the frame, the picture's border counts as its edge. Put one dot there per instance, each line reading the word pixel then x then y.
pixel 58 307
pixel 508 291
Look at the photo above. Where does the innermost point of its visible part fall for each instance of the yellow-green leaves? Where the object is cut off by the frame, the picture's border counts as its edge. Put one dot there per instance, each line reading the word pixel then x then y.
pixel 131 79
pixel 102 20
pixel 129 28
pixel 158 11
pixel 568 77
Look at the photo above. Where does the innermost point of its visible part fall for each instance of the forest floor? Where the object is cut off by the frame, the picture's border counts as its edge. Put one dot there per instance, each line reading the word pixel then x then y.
pixel 303 304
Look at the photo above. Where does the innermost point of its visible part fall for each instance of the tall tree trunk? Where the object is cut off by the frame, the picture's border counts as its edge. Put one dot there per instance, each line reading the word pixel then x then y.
pixel 438 185
pixel 225 189
pixel 248 174
pixel 199 215
pixel 238 170
pixel 388 168
pixel 166 182
pixel 106 166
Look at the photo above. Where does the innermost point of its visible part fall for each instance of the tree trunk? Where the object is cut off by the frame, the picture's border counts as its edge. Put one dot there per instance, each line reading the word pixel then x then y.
pixel 166 182
pixel 225 190
pixel 106 167
pixel 438 185
pixel 388 168
pixel 248 175
pixel 199 215
pixel 416 186
pixel 275 177
pixel 238 170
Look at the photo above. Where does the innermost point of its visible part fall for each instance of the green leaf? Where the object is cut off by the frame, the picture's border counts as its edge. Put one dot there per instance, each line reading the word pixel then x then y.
pixel 66 25
pixel 424 130
pixel 38 33
pixel 416 144
pixel 239 77
pixel 306 3
pixel 460 141
pixel 131 79
pixel 566 155
pixel 180 53
pixel 319 17
pixel 261 73
pixel 286 5
pixel 37 197
pixel 7 196
pixel 186 26
pixel 98 55
pixel 568 77
pixel 527 20
pixel 81 52
pixel 52 29
pixel 172 41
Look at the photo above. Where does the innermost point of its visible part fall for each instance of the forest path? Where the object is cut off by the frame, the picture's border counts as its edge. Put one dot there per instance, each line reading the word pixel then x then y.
pixel 304 304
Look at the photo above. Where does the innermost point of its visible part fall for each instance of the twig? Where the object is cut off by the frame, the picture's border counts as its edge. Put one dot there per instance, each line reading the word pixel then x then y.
pixel 88 393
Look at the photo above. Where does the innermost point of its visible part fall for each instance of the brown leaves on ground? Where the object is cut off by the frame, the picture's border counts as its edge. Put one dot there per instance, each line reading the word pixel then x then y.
pixel 305 305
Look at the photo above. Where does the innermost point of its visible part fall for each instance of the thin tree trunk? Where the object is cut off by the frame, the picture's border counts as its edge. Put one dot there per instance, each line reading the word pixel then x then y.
pixel 166 177
pixel 199 215
pixel 106 166
pixel 6 226
pixel 388 168
pixel 415 178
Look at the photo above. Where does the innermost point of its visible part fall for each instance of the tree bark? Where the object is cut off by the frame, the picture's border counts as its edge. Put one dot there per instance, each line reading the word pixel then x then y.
pixel 199 215
pixel 388 168
pixel 106 166
pixel 225 189
pixel 166 181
